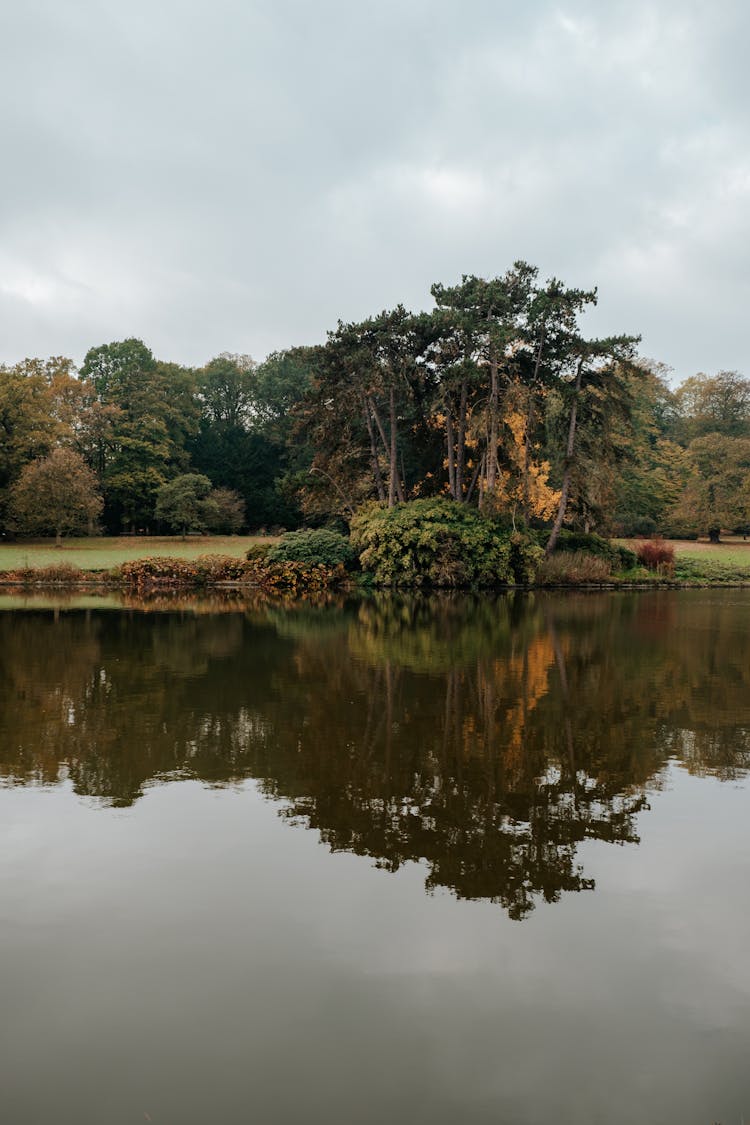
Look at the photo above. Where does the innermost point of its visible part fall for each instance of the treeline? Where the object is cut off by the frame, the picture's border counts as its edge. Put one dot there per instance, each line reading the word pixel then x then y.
pixel 132 426
pixel 495 398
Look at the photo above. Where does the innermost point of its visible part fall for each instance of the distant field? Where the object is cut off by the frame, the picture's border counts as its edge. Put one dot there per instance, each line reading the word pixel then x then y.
pixel 734 551
pixel 102 554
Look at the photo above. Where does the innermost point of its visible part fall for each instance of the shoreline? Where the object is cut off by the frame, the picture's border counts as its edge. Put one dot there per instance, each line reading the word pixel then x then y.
pixel 115 584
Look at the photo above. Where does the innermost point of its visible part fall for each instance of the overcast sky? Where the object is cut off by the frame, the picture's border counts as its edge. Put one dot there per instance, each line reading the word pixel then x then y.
pixel 236 175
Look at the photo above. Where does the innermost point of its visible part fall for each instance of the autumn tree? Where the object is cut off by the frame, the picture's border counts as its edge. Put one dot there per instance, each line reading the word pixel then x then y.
pixel 504 335
pixel 713 404
pixel 28 424
pixel 56 494
pixel 225 511
pixel 717 492
pixel 650 473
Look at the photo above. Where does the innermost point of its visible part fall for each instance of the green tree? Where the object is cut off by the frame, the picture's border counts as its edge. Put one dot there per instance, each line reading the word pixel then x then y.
pixel 184 503
pixel 280 383
pixel 226 390
pixel 57 493
pixel 594 390
pixel 151 410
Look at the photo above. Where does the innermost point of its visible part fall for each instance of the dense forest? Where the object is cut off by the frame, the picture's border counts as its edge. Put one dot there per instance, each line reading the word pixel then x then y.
pixel 495 398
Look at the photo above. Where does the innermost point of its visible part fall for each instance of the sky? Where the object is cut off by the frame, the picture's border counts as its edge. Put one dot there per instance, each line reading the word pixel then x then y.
pixel 238 175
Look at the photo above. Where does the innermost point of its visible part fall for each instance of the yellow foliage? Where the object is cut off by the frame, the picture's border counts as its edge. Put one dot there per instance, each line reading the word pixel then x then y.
pixel 511 488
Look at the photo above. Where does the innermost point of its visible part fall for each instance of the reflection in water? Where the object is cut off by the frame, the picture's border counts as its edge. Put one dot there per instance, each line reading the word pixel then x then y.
pixel 487 737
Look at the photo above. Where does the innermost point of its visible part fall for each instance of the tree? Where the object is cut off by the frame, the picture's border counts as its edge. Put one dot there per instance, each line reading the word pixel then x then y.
pixel 593 383
pixel 718 404
pixel 649 478
pixel 57 493
pixel 28 427
pixel 717 493
pixel 184 503
pixel 152 409
pixel 225 388
pixel 225 511
pixel 280 383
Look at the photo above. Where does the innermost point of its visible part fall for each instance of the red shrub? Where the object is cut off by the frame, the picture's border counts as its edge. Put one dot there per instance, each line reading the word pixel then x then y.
pixel 656 555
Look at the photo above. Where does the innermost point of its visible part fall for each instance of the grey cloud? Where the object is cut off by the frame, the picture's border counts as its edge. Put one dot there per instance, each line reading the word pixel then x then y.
pixel 237 176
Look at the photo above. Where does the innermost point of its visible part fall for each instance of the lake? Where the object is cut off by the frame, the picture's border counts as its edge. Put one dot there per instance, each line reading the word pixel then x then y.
pixel 389 859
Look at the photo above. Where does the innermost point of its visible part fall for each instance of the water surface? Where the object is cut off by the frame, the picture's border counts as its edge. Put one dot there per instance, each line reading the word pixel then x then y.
pixel 477 860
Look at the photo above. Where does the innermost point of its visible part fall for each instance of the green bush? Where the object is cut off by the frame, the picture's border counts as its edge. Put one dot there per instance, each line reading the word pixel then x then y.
pixel 431 543
pixel 320 547
pixel 257 551
pixel 630 525
pixel 619 558
pixel 526 556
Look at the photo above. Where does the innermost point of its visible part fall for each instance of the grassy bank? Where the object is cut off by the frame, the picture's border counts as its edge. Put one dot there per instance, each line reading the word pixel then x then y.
pixel 105 553
pixel 697 563
pixel 704 563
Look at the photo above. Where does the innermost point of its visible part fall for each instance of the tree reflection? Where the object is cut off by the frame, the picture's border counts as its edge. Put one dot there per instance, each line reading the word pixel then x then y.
pixel 484 738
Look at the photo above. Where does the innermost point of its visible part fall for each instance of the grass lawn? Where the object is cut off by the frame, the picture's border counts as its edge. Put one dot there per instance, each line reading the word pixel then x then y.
pixel 730 550
pixel 701 561
pixel 103 553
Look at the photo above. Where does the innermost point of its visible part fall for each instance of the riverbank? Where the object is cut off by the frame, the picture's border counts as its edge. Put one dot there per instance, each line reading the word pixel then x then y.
pixel 203 562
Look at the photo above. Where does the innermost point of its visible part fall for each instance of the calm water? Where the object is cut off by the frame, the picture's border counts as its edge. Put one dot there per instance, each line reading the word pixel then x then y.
pixel 388 861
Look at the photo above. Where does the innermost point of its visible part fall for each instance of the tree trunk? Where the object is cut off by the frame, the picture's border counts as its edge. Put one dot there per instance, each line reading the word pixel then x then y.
pixel 529 423
pixel 556 527
pixel 58 537
pixel 373 450
pixel 379 424
pixel 492 441
pixel 475 477
pixel 451 453
pixel 461 447
pixel 713 534
pixel 393 461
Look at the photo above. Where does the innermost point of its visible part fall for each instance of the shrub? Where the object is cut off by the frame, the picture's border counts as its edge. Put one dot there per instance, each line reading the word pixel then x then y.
pixel 432 542
pixel 169 572
pixel 257 551
pixel 211 570
pixel 526 556
pixel 620 558
pixel 322 547
pixel 656 555
pixel 574 568
pixel 630 525
pixel 294 578
pixel 56 574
